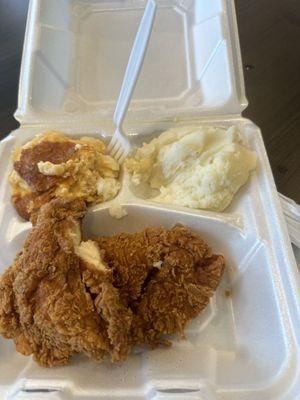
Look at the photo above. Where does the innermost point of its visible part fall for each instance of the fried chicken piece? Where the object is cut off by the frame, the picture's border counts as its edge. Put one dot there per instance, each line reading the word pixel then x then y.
pixel 166 277
pixel 45 307
pixel 64 296
pixel 129 258
pixel 177 294
pixel 9 317
pixel 118 318
pixel 97 277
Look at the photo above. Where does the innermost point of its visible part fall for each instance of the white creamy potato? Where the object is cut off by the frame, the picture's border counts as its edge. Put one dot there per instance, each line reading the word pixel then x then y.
pixel 194 166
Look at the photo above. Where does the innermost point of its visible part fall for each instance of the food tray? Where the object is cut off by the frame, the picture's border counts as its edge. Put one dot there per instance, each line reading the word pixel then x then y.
pixel 245 344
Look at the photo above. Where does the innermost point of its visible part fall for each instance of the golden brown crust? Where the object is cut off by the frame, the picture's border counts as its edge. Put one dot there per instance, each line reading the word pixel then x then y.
pixel 124 254
pixel 162 299
pixel 52 315
pixel 118 318
pixel 54 303
pixel 177 294
pixel 133 256
pixel 9 318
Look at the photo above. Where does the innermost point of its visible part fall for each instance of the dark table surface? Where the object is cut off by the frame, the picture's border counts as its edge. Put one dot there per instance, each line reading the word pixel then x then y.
pixel 270 42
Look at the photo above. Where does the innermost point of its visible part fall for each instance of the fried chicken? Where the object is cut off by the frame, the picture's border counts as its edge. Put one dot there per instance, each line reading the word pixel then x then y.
pixel 101 297
pixel 177 294
pixel 44 305
pixel 165 276
pixel 118 319
pixel 97 277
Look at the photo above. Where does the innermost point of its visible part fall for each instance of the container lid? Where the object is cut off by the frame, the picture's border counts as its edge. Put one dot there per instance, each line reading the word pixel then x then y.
pixel 75 55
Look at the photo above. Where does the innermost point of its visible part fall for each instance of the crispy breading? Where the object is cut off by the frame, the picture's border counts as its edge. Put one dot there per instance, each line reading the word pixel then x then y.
pixel 49 307
pixel 163 299
pixel 174 296
pixel 118 318
pixel 126 255
pixel 64 296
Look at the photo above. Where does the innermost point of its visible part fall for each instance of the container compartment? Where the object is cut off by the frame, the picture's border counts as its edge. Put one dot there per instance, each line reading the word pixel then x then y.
pixel 184 73
pixel 231 345
pixel 245 345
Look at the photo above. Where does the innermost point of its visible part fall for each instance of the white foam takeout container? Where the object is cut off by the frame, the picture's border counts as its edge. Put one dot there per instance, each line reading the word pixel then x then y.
pixel 243 346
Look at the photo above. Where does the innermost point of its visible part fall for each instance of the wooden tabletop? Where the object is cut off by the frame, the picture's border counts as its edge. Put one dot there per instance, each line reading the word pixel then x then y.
pixel 270 43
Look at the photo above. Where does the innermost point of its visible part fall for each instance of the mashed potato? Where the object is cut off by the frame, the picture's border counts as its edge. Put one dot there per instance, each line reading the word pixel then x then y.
pixel 194 166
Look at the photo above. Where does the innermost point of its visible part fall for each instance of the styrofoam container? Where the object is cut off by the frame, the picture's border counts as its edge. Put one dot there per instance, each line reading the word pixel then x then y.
pixel 243 346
